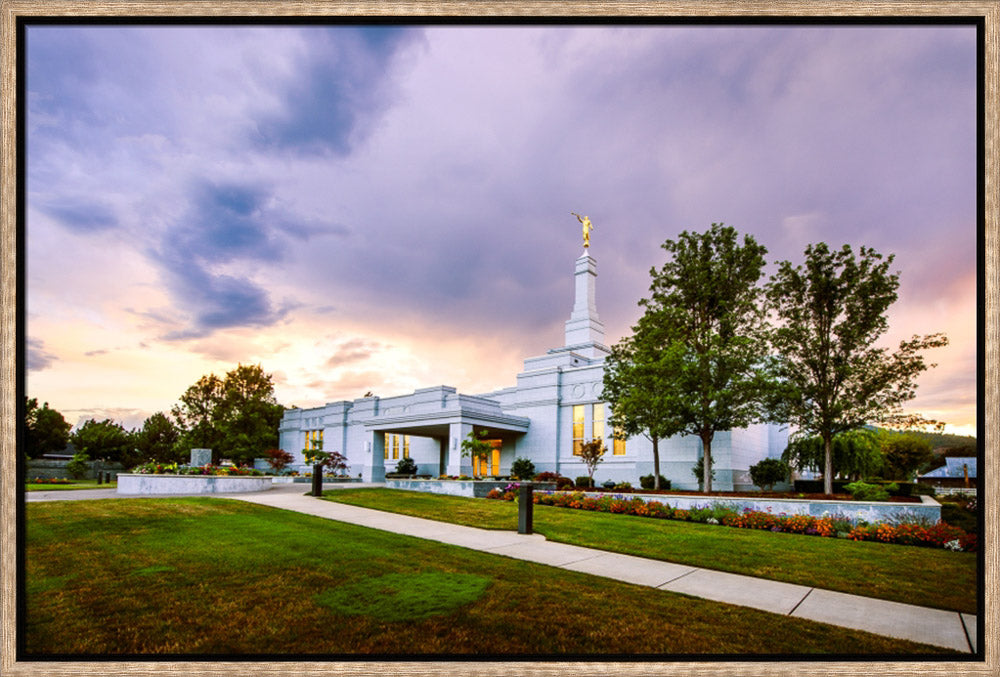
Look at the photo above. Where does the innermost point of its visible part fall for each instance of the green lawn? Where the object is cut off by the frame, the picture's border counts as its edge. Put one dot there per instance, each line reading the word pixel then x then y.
pixel 209 575
pixel 76 484
pixel 909 574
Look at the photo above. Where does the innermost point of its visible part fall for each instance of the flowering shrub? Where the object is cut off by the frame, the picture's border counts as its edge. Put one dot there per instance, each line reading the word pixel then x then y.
pixel 911 532
pixel 49 480
pixel 153 468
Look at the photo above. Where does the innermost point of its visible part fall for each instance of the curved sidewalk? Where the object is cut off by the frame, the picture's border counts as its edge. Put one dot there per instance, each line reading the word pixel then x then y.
pixel 949 629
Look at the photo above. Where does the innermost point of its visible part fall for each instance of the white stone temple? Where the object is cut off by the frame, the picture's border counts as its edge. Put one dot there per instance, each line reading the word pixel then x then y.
pixel 555 406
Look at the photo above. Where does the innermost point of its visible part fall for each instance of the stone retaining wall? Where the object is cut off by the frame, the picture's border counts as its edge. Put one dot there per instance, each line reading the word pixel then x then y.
pixel 869 511
pixel 470 488
pixel 166 485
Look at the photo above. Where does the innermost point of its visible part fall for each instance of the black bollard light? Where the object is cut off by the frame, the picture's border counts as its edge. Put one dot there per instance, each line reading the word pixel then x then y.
pixel 107 477
pixel 317 487
pixel 525 509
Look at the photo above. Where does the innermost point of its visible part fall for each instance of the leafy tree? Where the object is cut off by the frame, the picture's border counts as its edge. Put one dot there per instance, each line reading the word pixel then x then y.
pixel 278 459
pixel 476 447
pixel 105 440
pixel 767 472
pixel 157 440
pixel 833 379
pixel 592 453
pixel 706 322
pixel 329 461
pixel 236 416
pixel 905 454
pixel 634 387
pixel 197 418
pixel 855 453
pixel 45 430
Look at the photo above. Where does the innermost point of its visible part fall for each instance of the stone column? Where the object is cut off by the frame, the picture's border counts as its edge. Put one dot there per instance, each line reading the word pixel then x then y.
pixel 456 464
pixel 374 468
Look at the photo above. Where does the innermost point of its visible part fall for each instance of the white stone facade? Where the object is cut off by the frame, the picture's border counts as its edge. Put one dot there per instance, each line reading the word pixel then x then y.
pixel 533 419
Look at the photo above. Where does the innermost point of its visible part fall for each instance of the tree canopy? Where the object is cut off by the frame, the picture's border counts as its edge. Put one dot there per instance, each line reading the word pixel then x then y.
pixel 45 429
pixel 693 365
pixel 105 440
pixel 237 416
pixel 831 311
pixel 157 440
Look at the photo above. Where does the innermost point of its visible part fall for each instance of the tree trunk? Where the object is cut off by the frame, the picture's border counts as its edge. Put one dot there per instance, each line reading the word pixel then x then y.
pixel 656 463
pixel 706 462
pixel 827 463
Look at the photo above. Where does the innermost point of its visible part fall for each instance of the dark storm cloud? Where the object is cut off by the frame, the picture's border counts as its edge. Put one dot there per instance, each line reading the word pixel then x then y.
pixel 83 216
pixel 37 356
pixel 338 93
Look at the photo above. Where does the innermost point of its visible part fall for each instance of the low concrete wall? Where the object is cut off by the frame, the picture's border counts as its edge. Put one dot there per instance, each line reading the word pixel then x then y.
pixel 470 488
pixel 868 511
pixel 166 485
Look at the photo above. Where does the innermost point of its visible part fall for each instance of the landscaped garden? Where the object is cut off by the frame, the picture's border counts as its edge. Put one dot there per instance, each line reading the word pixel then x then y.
pixel 205 575
pixel 55 484
pixel 899 573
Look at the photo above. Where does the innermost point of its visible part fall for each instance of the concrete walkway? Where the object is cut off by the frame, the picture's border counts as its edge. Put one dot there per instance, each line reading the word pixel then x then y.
pixel 953 630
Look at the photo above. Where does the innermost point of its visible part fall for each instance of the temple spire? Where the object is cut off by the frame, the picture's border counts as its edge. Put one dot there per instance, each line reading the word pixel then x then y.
pixel 584 330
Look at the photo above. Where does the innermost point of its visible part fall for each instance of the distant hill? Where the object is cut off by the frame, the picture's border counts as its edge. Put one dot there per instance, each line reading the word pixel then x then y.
pixel 945 445
pixel 946 442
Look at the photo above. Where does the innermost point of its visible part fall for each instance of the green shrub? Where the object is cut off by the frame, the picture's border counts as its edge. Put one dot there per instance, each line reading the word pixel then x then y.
pixel 406 466
pixel 522 468
pixel 623 486
pixel 767 472
pixel 646 482
pixel 78 466
pixel 923 490
pixel 563 482
pixel 958 516
pixel 585 482
pixel 861 491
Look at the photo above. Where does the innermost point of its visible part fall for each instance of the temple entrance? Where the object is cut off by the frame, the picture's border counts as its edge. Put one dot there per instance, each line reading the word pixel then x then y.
pixel 490 464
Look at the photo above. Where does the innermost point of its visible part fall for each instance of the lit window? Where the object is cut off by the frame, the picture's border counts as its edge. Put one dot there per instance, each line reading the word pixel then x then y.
pixel 395 446
pixel 385 447
pixel 619 445
pixel 406 446
pixel 598 421
pixel 577 429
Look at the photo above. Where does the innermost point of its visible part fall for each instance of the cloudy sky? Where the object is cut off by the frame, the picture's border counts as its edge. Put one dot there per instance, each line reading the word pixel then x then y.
pixel 388 208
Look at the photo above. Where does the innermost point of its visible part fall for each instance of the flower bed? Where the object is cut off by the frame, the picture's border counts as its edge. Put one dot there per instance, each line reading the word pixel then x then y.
pixel 904 532
pixel 175 469
pixel 49 480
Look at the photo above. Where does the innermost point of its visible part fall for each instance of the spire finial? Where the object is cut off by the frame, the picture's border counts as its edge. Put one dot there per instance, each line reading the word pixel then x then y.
pixel 587 227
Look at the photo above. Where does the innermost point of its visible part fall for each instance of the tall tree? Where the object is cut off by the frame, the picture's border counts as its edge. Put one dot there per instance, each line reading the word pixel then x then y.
pixel 45 429
pixel 105 440
pixel 707 300
pixel 831 312
pixel 237 416
pixel 157 439
pixel 635 388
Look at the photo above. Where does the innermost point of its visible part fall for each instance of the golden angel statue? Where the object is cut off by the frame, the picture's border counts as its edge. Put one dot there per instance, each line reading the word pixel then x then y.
pixel 587 227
